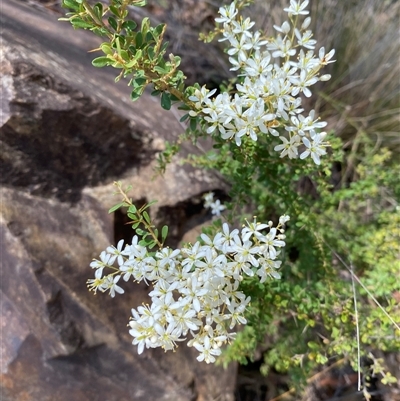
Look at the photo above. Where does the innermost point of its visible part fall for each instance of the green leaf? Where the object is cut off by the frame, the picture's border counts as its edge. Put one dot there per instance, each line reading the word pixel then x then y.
pixel 70 4
pixel 136 225
pixel 161 70
pixel 80 23
pixel 116 207
pixel 164 233
pixel 139 39
pixel 166 101
pixel 132 208
pixel 184 118
pixel 106 48
pixel 177 60
pixel 155 93
pixel 114 10
pixel 133 216
pixel 98 10
pixel 312 345
pixel 136 93
pixel 158 29
pixel 145 26
pixel 124 55
pixel 149 37
pixel 146 217
pixel 139 82
pixel 140 3
pixel 101 61
pixel 129 25
pixel 151 245
pixel 149 204
pixel 143 243
pixel 113 23
pixel 164 47
pixel 151 53
pixel 193 124
pixel 99 31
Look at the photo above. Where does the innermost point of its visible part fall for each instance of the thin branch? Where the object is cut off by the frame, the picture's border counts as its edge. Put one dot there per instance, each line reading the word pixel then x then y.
pixel 357 330
pixel 363 286
pixel 310 379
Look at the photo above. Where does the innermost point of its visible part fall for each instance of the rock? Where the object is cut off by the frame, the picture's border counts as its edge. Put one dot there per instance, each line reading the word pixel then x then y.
pixel 67 132
pixel 58 339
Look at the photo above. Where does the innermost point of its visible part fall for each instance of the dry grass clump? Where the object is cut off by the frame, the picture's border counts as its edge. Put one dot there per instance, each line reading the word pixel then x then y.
pixel 364 93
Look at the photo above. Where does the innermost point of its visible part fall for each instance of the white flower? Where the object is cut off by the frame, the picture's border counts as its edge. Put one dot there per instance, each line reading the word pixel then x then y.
pixel 212 265
pixel 283 219
pixel 325 59
pixel 217 207
pixel 258 66
pixel 285 28
pixel 201 96
pixel 240 47
pixel 193 293
pixel 195 288
pixel 117 251
pixel 206 350
pixel 166 336
pixel 141 335
pixel 105 260
pixel 111 284
pixel 297 8
pixel 167 257
pixel 301 82
pixel 185 320
pixel 236 313
pixel 305 39
pixel 245 252
pixel 288 148
pixel 193 255
pixel 208 199
pixel 271 242
pixel 253 228
pixel 283 48
pixel 164 290
pixel 242 27
pixel 98 282
pixel 226 239
pixel 227 14
pixel 267 269
pixel 316 148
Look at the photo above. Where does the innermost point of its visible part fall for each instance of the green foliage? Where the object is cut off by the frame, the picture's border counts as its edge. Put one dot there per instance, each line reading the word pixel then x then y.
pixel 140 219
pixel 139 52
pixel 308 318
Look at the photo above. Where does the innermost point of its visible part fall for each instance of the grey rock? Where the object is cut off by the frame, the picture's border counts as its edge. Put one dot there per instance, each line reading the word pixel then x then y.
pixel 67 132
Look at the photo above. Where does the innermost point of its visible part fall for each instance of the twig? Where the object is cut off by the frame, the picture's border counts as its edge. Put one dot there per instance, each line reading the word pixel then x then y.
pixel 357 330
pixel 363 286
pixel 309 380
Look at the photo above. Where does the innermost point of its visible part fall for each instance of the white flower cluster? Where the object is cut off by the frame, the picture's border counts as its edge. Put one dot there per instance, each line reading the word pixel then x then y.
pixel 195 288
pixel 275 72
pixel 214 204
